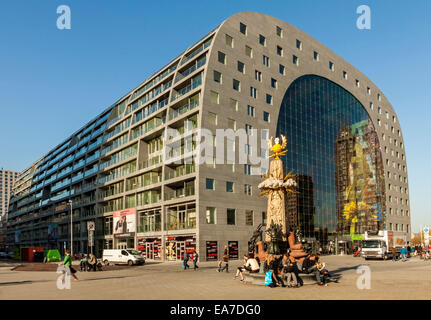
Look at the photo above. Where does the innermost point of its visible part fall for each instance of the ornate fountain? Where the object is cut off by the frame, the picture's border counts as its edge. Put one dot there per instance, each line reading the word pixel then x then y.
pixel 278 235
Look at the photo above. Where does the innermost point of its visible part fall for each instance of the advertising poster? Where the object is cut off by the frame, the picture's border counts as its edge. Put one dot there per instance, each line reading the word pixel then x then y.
pixel 52 232
pixel 233 250
pixel 124 223
pixel 212 253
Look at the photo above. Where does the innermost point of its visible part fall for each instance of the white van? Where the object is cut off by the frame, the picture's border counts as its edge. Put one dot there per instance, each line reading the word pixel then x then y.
pixel 113 256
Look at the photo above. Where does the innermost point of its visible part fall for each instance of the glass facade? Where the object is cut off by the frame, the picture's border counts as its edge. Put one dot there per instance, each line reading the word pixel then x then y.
pixel 334 151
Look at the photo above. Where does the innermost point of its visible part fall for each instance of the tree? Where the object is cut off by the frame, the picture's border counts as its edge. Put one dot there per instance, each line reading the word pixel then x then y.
pixel 417 239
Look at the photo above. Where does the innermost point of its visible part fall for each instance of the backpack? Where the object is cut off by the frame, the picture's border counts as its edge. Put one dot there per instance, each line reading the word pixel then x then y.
pixel 268 278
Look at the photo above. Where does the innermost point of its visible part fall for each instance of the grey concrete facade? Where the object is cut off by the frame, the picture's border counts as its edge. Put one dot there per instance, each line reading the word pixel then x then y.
pixel 192 75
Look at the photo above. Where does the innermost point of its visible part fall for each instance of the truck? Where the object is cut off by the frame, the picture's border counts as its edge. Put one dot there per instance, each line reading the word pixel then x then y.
pixel 378 244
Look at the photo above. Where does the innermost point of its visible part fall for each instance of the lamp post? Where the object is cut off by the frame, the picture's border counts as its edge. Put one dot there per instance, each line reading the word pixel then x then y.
pixel 70 202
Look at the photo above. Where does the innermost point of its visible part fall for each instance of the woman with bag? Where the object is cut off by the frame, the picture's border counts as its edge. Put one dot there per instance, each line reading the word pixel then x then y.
pixel 68 263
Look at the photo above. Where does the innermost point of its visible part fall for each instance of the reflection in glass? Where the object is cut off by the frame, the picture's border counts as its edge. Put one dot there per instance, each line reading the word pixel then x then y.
pixel 333 148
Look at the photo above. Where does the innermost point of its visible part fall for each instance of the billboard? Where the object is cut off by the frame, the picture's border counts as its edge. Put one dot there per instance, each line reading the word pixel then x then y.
pixel 124 223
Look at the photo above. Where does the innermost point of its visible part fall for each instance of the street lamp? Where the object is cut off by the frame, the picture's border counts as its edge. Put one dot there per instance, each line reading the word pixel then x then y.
pixel 70 202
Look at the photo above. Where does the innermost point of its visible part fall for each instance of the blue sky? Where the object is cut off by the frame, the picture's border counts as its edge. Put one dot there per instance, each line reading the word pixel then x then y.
pixel 54 81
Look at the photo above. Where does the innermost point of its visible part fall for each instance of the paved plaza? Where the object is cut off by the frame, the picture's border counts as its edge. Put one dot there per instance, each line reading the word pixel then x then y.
pixel 389 280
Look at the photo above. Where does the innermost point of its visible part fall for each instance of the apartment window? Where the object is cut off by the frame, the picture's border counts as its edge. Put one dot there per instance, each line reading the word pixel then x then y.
pixel 316 56
pixel 273 83
pixel 230 215
pixel 229 186
pixel 295 60
pixel 253 92
pixel 368 90
pixel 247 189
pixel 249 217
pixel 379 110
pixel 214 97
pixel 262 40
pixel 357 83
pixel 217 76
pixel 280 51
pixel 394 120
pixel 264 218
pixel 234 104
pixel 247 169
pixel 242 28
pixel 265 60
pixel 265 116
pixel 331 66
pixel 241 67
pixel 390 226
pixel 250 110
pixel 298 44
pixel 282 69
pixel 212 118
pixel 248 52
pixel 221 57
pixel 248 129
pixel 236 85
pixel 231 124
pixel 379 97
pixel 371 106
pixel 279 31
pixel 345 75
pixel 258 75
pixel 268 99
pixel 209 184
pixel 211 215
pixel 229 41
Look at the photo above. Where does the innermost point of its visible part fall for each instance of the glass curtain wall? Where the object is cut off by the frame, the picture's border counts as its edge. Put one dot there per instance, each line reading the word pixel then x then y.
pixel 333 148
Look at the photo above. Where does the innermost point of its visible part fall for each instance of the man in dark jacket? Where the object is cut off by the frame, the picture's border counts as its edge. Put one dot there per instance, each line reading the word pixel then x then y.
pixel 309 266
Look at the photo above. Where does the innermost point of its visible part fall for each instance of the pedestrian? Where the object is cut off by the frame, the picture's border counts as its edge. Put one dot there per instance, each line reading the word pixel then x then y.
pixel 67 262
pixel 220 262
pixel 241 269
pixel 226 259
pixel 251 265
pixel 185 261
pixel 394 254
pixel 273 263
pixel 309 266
pixel 403 253
pixel 195 260
pixel 92 262
pixel 288 274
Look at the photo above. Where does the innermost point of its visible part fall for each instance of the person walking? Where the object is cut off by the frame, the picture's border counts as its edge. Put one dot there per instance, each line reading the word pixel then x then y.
pixel 403 253
pixel 68 263
pixel 220 262
pixel 225 259
pixel 394 254
pixel 185 261
pixel 195 260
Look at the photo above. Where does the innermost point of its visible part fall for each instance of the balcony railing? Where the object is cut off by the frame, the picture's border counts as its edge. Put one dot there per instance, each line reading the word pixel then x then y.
pixel 180 171
pixel 175 113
